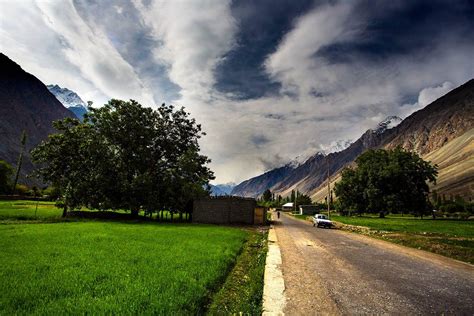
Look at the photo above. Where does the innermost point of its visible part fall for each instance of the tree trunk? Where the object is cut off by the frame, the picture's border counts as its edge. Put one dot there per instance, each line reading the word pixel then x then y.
pixel 382 215
pixel 65 210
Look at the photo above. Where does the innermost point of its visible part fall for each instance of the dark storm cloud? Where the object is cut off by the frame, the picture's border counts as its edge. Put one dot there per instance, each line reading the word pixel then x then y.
pixel 402 28
pixel 262 25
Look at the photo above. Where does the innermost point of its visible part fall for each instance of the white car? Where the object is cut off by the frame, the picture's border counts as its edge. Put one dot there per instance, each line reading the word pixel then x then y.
pixel 321 220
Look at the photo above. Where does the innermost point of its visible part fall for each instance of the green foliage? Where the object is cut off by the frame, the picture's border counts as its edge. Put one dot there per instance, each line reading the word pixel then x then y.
pixel 386 181
pixel 451 206
pixel 6 172
pixel 113 268
pixel 52 193
pixel 126 156
pixel 22 190
pixel 302 199
pixel 267 195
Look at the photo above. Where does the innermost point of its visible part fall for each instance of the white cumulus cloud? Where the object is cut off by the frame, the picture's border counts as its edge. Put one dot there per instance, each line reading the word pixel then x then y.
pixel 431 94
pixel 89 49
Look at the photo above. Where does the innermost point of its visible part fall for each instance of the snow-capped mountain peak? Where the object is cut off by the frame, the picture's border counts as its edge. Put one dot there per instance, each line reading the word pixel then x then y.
pixel 388 123
pixel 302 158
pixel 69 99
pixel 335 146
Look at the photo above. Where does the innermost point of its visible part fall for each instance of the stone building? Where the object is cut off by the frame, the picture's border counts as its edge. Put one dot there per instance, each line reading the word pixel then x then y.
pixel 227 210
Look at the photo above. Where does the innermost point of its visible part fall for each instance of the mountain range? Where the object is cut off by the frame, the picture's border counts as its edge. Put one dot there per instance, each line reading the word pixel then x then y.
pixel 441 132
pixel 25 104
pixel 222 189
pixel 69 99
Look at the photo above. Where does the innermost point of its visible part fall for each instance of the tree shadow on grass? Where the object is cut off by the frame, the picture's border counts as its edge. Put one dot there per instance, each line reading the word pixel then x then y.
pixel 118 217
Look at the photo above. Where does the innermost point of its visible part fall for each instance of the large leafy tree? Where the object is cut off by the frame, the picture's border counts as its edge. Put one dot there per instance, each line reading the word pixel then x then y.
pixel 386 181
pixel 78 161
pixel 132 158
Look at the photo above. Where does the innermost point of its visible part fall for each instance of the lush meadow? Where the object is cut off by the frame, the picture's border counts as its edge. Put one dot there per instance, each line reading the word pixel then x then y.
pixel 51 266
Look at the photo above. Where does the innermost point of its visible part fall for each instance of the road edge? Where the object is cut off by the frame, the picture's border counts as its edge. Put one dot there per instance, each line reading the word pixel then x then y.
pixel 274 285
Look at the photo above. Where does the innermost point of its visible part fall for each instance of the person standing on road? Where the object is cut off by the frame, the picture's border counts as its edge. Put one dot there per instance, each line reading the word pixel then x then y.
pixel 278 214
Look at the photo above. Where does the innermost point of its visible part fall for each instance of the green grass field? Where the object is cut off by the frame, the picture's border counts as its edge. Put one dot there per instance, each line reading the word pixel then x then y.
pixel 451 238
pixel 116 267
pixel 410 224
pixel 25 210
pixel 113 267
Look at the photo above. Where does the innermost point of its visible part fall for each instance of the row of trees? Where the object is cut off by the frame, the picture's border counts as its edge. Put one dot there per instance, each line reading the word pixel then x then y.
pixel 387 181
pixel 269 199
pixel 452 204
pixel 8 186
pixel 126 156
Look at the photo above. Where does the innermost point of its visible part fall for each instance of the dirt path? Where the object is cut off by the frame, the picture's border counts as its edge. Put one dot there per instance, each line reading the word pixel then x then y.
pixel 335 272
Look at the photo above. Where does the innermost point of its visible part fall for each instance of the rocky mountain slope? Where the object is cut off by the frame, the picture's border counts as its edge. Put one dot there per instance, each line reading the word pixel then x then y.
pixel 69 99
pixel 255 186
pixel 307 176
pixel 424 132
pixel 25 104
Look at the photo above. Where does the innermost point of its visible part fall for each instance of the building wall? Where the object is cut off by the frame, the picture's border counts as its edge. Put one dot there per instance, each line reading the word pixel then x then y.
pixel 224 210
pixel 308 209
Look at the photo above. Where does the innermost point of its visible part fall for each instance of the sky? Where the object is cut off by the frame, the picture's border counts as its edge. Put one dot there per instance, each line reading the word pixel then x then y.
pixel 268 80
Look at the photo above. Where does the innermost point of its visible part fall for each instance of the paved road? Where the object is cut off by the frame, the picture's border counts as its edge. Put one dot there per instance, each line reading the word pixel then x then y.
pixel 327 271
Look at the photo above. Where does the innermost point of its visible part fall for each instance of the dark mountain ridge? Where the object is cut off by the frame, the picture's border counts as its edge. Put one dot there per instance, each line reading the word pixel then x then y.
pixel 25 104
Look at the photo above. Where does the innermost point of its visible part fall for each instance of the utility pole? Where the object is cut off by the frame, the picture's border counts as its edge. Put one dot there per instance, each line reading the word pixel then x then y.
pixel 329 189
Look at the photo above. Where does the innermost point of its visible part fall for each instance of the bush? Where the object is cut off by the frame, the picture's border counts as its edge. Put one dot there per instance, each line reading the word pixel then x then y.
pixel 451 207
pixel 52 193
pixel 21 189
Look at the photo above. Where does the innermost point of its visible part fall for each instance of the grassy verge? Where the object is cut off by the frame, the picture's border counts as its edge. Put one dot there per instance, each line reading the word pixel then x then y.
pixel 242 292
pixel 114 267
pixel 450 238
pixel 303 217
